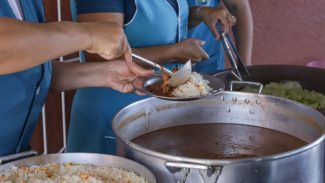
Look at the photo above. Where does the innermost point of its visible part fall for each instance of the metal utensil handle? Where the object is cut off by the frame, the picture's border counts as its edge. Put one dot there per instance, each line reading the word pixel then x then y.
pixel 241 67
pixel 229 52
pixel 181 170
pixel 257 85
pixel 149 62
pixel 186 165
pixel 234 57
pixel 13 157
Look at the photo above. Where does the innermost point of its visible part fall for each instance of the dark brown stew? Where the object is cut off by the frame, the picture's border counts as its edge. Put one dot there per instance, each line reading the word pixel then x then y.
pixel 218 141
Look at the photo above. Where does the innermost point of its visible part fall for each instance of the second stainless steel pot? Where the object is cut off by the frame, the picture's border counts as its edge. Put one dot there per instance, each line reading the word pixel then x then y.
pixel 310 78
pixel 302 165
pixel 84 158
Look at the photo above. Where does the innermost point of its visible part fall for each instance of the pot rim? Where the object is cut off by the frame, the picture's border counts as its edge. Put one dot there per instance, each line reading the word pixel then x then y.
pixel 222 162
pixel 272 66
pixel 85 158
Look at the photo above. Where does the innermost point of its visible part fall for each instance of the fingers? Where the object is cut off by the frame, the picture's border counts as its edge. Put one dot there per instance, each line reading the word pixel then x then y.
pixel 199 42
pixel 139 93
pixel 108 41
pixel 134 68
pixel 224 17
pixel 213 29
pixel 197 50
pixel 123 86
pixel 231 19
pixel 204 55
pixel 224 20
pixel 126 87
pixel 139 71
pixel 121 48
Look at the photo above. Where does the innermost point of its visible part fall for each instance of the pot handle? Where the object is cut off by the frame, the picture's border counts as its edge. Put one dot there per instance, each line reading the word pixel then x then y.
pixel 256 85
pixel 182 171
pixel 13 157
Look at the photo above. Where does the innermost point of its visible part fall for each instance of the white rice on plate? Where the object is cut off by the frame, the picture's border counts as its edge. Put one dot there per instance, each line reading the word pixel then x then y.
pixel 196 86
pixel 69 173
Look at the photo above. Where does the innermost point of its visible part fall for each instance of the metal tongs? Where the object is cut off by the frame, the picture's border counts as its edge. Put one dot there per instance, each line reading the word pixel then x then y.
pixel 239 69
pixel 177 78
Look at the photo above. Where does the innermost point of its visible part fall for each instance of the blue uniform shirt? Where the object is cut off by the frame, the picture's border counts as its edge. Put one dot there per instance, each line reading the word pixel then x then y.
pixel 212 46
pixel 22 94
pixel 147 23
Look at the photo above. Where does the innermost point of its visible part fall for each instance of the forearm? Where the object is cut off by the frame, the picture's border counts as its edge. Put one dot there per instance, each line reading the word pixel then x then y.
pixel 243 31
pixel 69 76
pixel 151 53
pixel 193 18
pixel 24 45
pixel 159 54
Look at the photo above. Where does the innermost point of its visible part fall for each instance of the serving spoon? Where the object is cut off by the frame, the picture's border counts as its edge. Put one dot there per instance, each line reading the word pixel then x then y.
pixel 177 78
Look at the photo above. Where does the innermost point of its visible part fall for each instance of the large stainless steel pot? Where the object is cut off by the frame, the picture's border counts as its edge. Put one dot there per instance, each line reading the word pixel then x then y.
pixel 302 165
pixel 85 158
pixel 309 77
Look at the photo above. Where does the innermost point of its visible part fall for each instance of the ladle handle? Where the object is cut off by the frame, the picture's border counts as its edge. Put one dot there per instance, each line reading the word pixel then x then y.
pixel 151 63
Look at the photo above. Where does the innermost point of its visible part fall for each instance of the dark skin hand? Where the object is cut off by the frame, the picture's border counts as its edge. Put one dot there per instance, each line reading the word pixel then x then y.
pixel 211 16
pixel 182 51
pixel 243 29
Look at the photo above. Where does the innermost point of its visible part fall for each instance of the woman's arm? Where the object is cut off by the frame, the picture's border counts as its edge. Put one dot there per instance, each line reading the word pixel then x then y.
pixel 182 51
pixel 243 30
pixel 115 74
pixel 24 45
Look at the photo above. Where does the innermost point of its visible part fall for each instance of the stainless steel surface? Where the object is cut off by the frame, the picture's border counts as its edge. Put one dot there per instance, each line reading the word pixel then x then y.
pixel 44 129
pixel 13 157
pixel 265 74
pixel 182 171
pixel 258 86
pixel 142 83
pixel 151 63
pixel 177 78
pixel 302 165
pixel 85 158
pixel 234 57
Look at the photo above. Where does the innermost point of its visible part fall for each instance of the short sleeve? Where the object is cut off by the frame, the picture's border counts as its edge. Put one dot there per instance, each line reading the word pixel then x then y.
pixel 99 6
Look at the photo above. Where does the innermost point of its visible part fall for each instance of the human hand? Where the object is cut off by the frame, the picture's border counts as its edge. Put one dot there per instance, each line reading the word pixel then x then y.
pixel 120 73
pixel 190 49
pixel 107 40
pixel 211 16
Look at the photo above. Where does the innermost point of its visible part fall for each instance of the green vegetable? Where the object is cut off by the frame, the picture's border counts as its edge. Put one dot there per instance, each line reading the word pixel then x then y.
pixel 293 90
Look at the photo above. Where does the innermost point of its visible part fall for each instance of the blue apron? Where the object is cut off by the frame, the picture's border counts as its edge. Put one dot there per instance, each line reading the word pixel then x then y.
pixel 22 94
pixel 94 108
pixel 212 47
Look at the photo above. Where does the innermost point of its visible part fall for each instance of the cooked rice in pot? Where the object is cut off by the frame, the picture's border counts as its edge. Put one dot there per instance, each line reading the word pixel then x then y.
pixel 69 173
pixel 194 87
